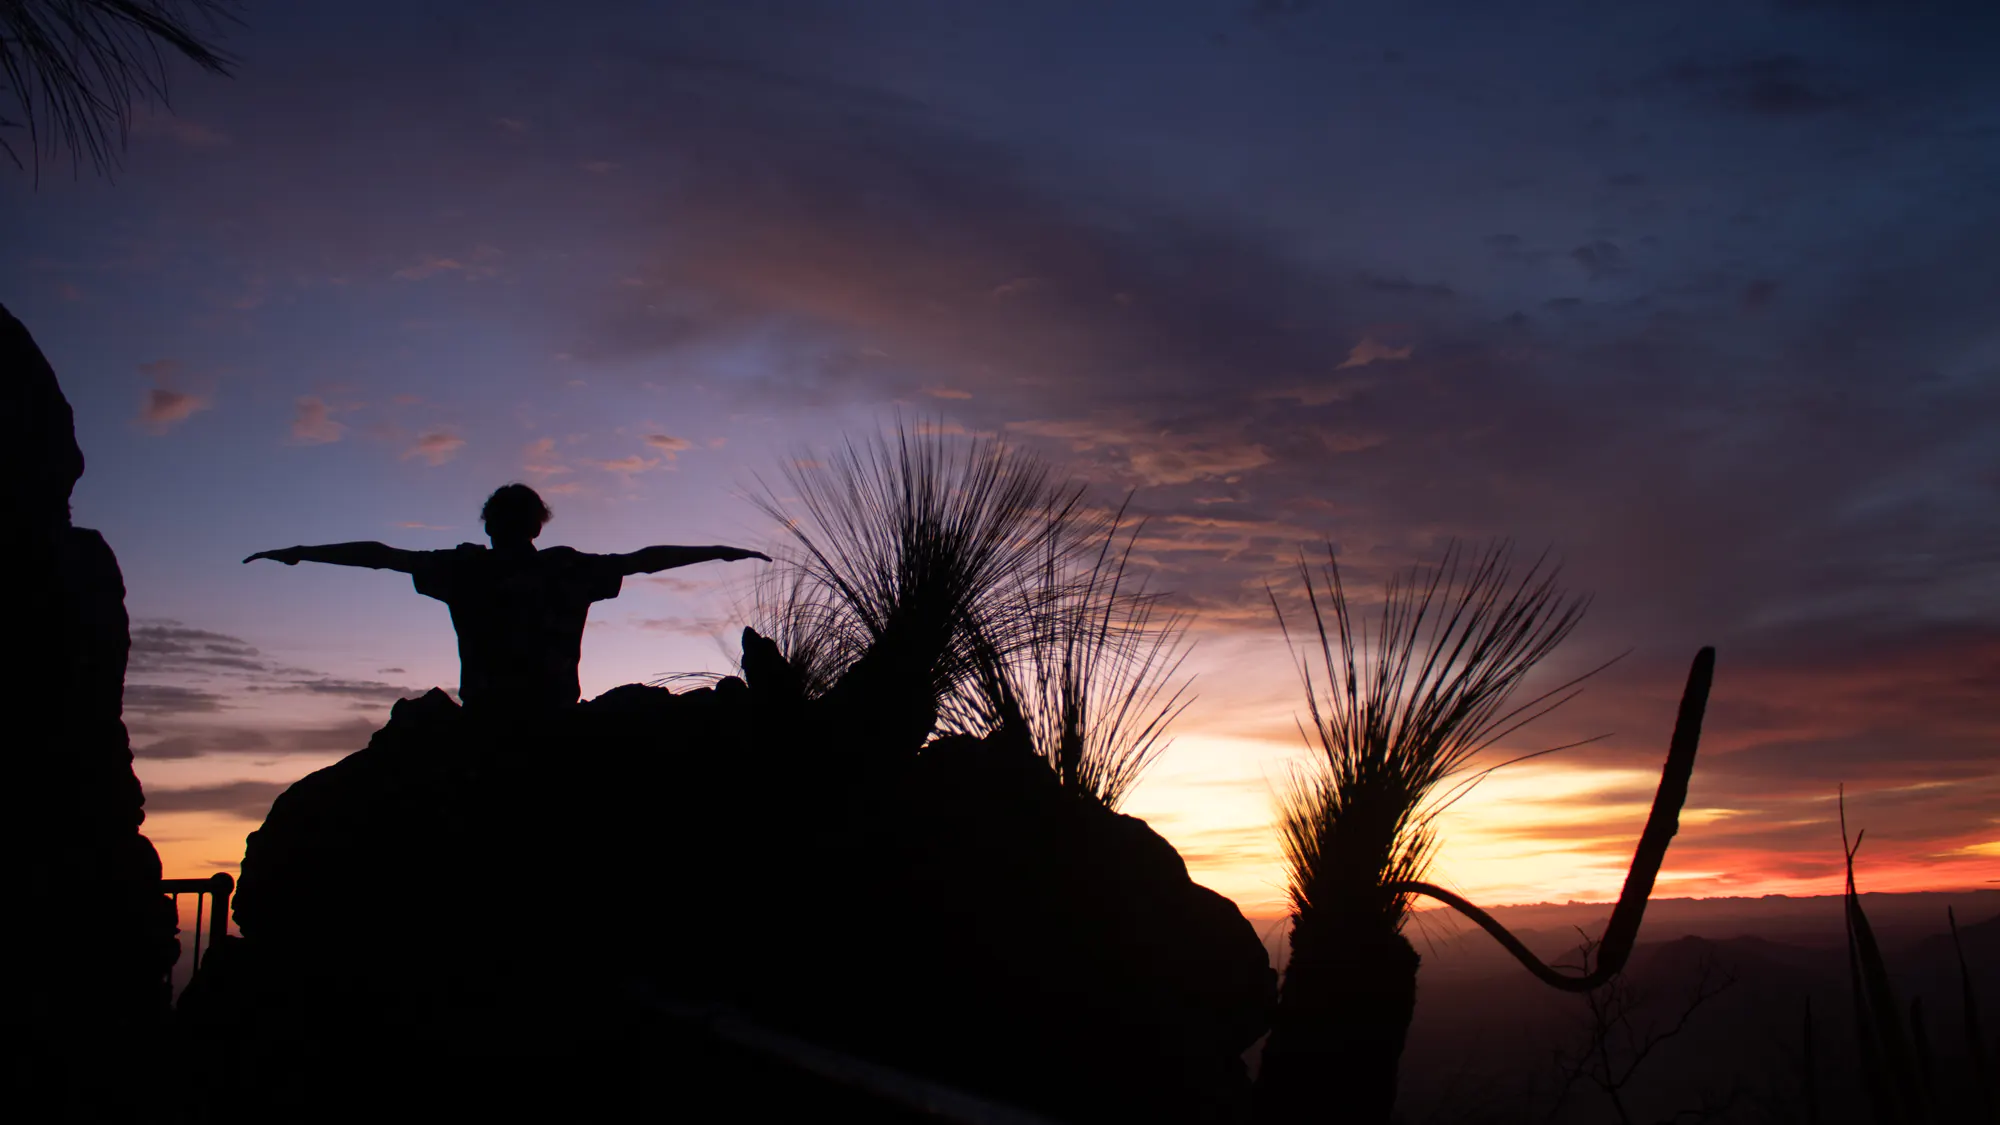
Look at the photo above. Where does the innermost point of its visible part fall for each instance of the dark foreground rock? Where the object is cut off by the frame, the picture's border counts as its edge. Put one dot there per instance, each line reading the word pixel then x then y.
pixel 523 895
pixel 94 995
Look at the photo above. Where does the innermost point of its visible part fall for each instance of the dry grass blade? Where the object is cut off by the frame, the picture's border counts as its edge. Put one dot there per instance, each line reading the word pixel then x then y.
pixel 73 69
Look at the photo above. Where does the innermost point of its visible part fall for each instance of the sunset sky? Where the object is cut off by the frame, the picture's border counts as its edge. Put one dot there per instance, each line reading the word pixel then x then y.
pixel 1700 295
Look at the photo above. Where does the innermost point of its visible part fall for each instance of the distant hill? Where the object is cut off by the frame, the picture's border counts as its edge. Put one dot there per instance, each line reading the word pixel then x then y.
pixel 1487 1037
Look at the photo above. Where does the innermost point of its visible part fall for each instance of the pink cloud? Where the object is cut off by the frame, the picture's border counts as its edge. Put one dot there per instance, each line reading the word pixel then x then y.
pixel 1153 456
pixel 429 267
pixel 950 429
pixel 148 122
pixel 669 446
pixel 166 408
pixel 315 424
pixel 1017 286
pixel 478 265
pixel 1370 350
pixel 435 446
pixel 626 466
pixel 540 460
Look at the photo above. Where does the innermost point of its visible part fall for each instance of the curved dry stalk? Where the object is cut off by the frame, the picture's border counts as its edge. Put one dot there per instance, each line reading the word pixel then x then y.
pixel 73 69
pixel 1622 931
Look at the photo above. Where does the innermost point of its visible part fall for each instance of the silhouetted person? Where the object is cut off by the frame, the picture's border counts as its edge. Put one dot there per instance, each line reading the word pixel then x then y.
pixel 519 611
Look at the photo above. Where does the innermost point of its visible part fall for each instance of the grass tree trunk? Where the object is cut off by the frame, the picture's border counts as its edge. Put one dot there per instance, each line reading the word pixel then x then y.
pixel 1337 1037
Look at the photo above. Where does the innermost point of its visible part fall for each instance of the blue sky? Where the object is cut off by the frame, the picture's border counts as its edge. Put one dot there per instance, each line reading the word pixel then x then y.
pixel 1698 294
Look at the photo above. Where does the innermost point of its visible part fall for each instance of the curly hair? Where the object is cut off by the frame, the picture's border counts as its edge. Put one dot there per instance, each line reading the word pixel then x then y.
pixel 515 504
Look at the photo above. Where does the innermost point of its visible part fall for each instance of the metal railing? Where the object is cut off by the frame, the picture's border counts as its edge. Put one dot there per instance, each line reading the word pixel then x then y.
pixel 216 888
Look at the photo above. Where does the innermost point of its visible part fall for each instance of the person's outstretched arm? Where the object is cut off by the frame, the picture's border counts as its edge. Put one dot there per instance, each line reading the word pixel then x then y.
pixel 646 560
pixel 377 556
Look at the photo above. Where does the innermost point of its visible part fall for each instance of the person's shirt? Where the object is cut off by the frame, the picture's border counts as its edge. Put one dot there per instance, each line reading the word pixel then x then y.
pixel 519 617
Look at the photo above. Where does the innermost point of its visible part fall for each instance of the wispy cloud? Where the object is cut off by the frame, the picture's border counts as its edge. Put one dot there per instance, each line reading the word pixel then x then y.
pixel 540 460
pixel 480 263
pixel 669 447
pixel 163 646
pixel 429 267
pixel 314 423
pixel 628 466
pixel 1371 350
pixel 166 406
pixel 1155 457
pixel 150 122
pixel 247 800
pixel 170 699
pixel 374 690
pixel 435 446
pixel 200 738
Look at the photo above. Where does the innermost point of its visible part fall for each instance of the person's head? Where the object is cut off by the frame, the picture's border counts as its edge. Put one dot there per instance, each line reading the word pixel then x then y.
pixel 514 513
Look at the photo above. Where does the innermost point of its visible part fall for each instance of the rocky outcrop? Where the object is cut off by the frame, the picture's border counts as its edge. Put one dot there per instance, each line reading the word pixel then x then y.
pixel 468 891
pixel 105 935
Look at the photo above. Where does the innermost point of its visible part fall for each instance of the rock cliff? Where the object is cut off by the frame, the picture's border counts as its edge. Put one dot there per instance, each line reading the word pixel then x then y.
pixel 471 890
pixel 103 936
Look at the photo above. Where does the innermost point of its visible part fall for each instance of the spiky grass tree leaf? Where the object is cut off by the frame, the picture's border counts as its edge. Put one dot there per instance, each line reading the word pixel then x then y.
pixel 1395 711
pixel 908 552
pixel 1889 1060
pixel 1398 709
pixel 1097 683
pixel 797 615
pixel 1975 1036
pixel 72 70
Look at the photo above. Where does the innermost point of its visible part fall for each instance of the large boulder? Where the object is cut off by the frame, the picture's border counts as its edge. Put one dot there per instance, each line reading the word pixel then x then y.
pixel 98 996
pixel 543 890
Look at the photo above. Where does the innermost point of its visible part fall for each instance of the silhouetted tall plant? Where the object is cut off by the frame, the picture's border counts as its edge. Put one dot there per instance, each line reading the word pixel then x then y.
pixel 1097 683
pixel 1975 1036
pixel 1898 1066
pixel 910 552
pixel 797 616
pixel 1894 1063
pixel 1395 712
pixel 73 69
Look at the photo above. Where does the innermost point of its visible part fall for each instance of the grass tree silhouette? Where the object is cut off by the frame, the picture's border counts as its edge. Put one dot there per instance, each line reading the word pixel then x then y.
pixel 929 883
pixel 519 611
pixel 72 70
pixel 1397 712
